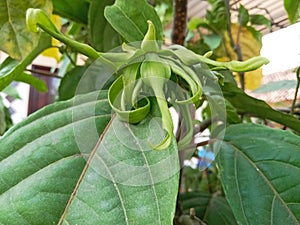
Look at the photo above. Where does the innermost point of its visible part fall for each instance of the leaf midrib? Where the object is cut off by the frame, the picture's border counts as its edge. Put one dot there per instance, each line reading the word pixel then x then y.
pixel 262 175
pixel 150 174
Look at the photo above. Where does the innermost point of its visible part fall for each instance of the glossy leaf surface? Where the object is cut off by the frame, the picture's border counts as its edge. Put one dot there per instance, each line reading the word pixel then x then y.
pixel 260 172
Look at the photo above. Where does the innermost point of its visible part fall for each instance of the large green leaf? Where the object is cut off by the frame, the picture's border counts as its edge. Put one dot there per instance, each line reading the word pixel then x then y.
pixel 12 69
pixel 212 209
pixel 246 104
pixel 102 36
pixel 41 162
pixel 292 8
pixel 76 10
pixel 15 39
pixel 129 18
pixel 125 180
pixel 260 172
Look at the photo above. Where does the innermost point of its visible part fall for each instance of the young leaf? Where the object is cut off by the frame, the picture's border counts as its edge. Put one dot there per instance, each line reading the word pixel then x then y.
pixel 259 19
pixel 261 181
pixel 243 16
pixel 130 22
pixel 15 39
pixel 292 8
pixel 125 180
pixel 41 162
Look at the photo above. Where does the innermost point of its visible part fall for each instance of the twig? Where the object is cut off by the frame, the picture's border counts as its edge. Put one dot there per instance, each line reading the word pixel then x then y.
pixel 179 22
pixel 44 73
pixel 296 92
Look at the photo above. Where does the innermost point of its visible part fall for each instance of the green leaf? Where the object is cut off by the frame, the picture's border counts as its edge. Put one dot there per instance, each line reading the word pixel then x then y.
pixel 2 117
pixel 11 91
pixel 126 181
pixel 194 23
pixel 258 19
pixel 129 19
pixel 15 39
pixel 212 209
pixel 260 172
pixel 69 82
pixel 237 97
pixel 103 37
pixel 11 69
pixel 243 16
pixel 76 10
pixel 38 84
pixel 276 85
pixel 292 8
pixel 85 79
pixel 41 162
pixel 212 40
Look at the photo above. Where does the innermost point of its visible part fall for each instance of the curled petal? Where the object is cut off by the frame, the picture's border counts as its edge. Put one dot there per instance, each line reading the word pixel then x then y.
pixel 195 86
pixel 132 116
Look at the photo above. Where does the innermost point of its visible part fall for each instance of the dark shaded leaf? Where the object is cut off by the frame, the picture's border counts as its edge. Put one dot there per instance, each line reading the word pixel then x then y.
pixel 69 82
pixel 76 10
pixel 246 104
pixel 260 172
pixel 214 210
pixel 102 36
